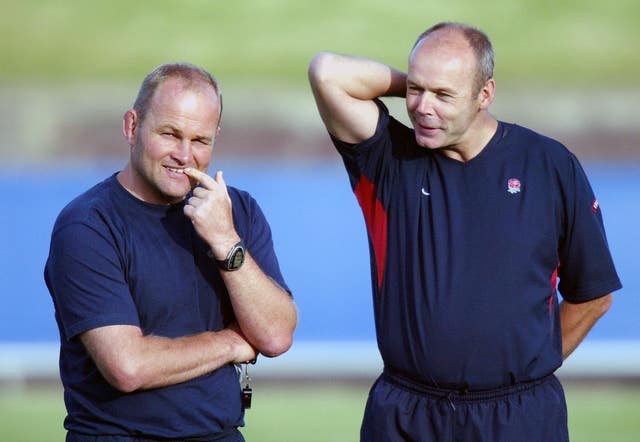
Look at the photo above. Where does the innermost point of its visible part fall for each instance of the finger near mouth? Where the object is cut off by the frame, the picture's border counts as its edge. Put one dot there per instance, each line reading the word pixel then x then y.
pixel 175 169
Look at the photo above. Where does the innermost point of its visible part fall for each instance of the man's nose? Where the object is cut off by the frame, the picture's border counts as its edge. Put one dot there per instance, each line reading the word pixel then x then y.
pixel 424 105
pixel 182 151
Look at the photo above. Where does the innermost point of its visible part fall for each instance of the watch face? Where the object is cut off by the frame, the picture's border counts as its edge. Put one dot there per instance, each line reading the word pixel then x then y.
pixel 236 259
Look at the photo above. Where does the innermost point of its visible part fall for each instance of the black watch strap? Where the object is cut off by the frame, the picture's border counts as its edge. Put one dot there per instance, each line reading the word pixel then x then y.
pixel 234 259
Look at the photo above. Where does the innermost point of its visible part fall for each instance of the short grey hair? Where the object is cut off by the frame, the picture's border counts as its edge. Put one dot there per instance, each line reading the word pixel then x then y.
pixel 189 73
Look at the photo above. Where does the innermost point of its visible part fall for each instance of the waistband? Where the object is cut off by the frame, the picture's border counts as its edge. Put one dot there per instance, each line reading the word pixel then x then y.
pixel 459 394
pixel 229 435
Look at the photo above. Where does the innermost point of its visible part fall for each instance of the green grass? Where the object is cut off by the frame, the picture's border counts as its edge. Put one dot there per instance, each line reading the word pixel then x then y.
pixel 604 413
pixel 573 42
pixel 306 413
pixel 327 412
pixel 31 415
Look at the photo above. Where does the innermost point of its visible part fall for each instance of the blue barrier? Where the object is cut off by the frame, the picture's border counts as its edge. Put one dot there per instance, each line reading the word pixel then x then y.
pixel 313 214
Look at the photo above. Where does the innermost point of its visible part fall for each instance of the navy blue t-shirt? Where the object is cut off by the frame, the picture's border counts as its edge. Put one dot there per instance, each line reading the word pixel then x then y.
pixel 116 260
pixel 465 256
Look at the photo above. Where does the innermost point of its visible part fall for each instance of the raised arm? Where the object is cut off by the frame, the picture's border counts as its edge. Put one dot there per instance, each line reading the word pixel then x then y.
pixel 344 87
pixel 265 312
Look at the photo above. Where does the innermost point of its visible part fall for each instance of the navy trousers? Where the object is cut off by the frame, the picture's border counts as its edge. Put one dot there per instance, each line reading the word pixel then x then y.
pixel 400 410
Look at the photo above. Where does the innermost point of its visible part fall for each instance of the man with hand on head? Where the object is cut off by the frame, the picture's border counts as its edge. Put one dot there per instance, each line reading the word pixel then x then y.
pixel 163 278
pixel 470 221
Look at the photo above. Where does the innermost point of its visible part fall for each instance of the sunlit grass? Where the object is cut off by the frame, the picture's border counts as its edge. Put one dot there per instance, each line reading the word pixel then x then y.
pixel 326 412
pixel 589 43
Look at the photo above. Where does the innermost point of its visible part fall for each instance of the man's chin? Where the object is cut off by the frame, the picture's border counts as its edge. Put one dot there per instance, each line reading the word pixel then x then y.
pixel 428 143
pixel 175 196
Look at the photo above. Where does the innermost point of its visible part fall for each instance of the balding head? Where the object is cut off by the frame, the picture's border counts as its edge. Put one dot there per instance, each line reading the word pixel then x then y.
pixel 454 34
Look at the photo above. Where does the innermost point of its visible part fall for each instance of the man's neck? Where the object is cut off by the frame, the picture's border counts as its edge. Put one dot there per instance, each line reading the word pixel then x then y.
pixel 475 140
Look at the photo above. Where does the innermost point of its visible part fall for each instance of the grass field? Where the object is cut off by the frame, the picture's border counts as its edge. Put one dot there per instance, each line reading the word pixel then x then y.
pixel 321 412
pixel 574 42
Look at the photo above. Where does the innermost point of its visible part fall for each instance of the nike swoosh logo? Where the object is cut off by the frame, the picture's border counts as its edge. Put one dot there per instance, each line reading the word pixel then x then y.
pixel 424 192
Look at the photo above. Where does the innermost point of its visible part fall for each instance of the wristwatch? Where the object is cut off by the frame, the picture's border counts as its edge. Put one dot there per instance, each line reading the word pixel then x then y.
pixel 234 259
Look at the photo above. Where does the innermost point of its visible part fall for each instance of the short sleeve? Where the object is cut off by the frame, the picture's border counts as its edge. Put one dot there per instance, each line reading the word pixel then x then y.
pixel 368 157
pixel 86 278
pixel 586 267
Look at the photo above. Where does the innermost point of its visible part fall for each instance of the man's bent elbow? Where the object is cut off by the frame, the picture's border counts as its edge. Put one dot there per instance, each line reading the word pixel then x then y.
pixel 125 377
pixel 279 338
pixel 320 68
pixel 277 345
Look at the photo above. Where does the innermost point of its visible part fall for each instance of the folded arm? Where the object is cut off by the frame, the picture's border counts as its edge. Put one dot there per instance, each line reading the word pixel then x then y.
pixel 265 312
pixel 130 361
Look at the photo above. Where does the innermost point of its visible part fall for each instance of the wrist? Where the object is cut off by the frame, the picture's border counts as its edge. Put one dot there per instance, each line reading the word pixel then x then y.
pixel 234 257
pixel 232 342
pixel 240 351
pixel 219 249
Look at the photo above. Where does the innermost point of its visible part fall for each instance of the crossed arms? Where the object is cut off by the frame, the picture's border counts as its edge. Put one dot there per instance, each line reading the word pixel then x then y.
pixel 266 314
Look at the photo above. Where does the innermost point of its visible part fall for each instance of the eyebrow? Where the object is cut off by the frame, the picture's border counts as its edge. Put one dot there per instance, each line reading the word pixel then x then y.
pixel 435 89
pixel 168 126
pixel 172 128
pixel 204 139
pixel 445 90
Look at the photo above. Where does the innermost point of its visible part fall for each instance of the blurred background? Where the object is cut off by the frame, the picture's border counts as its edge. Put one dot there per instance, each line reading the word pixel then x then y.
pixel 71 69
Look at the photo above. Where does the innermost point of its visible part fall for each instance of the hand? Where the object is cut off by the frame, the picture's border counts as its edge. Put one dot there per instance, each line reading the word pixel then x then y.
pixel 243 351
pixel 210 211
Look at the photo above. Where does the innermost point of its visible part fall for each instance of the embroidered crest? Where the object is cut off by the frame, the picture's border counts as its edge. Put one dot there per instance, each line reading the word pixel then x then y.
pixel 595 206
pixel 513 186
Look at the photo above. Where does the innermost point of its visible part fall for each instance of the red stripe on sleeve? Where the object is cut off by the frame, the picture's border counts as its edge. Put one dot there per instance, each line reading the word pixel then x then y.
pixel 554 284
pixel 375 218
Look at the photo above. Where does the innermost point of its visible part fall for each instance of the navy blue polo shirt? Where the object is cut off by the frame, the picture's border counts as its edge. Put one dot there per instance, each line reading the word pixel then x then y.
pixel 116 260
pixel 466 256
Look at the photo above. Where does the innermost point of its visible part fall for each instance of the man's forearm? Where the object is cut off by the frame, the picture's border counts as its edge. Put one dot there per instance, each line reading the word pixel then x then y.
pixel 265 312
pixel 130 361
pixel 576 321
pixel 344 87
pixel 361 78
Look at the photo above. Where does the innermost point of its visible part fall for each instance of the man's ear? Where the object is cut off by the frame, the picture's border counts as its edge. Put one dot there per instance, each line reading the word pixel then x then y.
pixel 215 136
pixel 130 126
pixel 487 93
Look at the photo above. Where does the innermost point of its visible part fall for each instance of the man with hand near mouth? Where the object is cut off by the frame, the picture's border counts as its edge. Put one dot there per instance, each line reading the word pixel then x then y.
pixel 163 279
